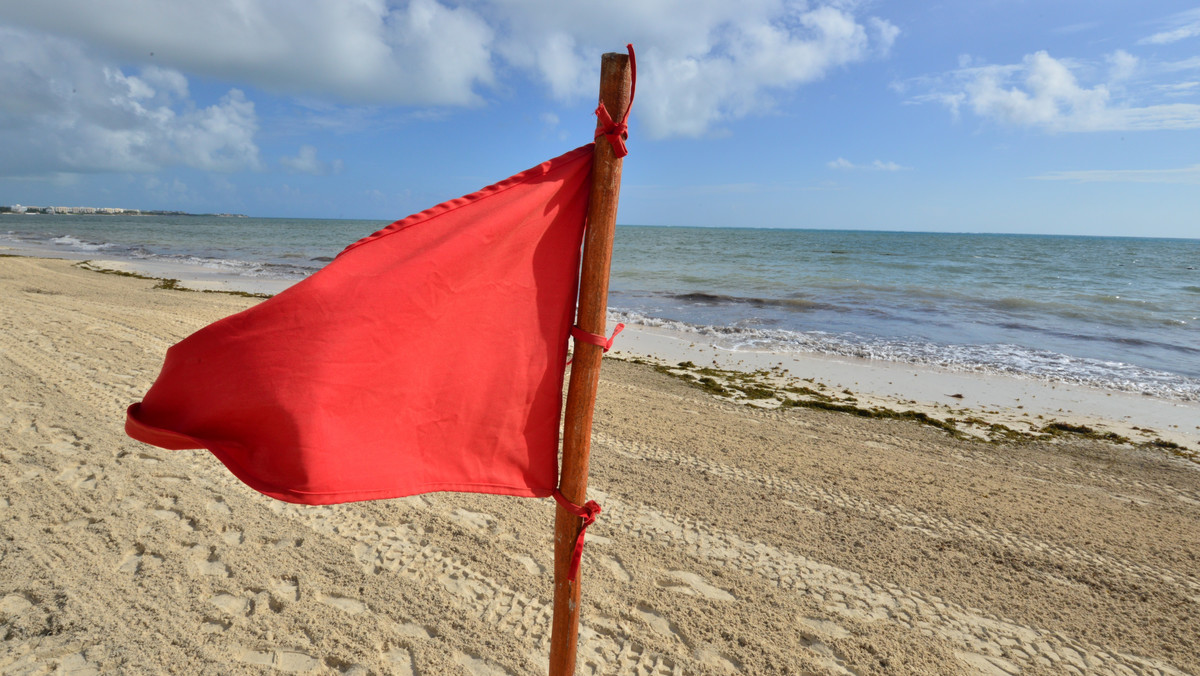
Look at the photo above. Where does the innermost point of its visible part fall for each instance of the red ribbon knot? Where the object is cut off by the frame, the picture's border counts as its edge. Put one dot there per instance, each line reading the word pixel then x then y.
pixel 617 132
pixel 606 343
pixel 588 512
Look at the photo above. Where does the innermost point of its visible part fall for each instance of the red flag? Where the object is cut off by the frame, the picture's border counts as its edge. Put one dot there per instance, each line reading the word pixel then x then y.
pixel 428 356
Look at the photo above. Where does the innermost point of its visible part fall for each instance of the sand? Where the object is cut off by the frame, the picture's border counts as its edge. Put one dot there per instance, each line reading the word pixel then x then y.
pixel 734 539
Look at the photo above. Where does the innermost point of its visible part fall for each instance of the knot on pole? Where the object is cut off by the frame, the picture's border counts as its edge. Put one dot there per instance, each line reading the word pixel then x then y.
pixel 617 132
pixel 588 512
pixel 596 339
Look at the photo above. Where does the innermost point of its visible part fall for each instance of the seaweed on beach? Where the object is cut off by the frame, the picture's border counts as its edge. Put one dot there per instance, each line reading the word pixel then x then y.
pixel 1174 448
pixel 750 389
pixel 167 283
pixel 1060 428
pixel 878 413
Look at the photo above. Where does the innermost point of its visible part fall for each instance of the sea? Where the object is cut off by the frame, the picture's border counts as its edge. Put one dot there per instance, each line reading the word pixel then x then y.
pixel 1115 313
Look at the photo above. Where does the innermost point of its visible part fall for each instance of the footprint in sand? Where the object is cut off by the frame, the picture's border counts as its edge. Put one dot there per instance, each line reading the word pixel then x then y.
pixel 281 659
pixel 232 605
pixel 77 524
pixel 15 604
pixel 76 664
pixel 814 633
pixel 471 519
pixel 657 622
pixel 343 603
pixel 134 560
pixel 174 516
pixel 287 589
pixel 416 631
pixel 528 563
pixel 212 625
pixel 63 440
pixel 231 536
pixel 717 662
pixel 477 666
pixel 613 565
pixel 401 661
pixel 692 584
pixel 218 507
pixel 206 562
pixel 986 665
pixel 79 475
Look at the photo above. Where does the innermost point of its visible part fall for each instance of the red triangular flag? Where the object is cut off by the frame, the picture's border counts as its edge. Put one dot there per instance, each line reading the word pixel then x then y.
pixel 428 356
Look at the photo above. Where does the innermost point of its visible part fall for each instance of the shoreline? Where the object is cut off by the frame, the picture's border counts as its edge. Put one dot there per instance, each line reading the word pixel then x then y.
pixel 986 406
pixel 991 406
pixel 733 539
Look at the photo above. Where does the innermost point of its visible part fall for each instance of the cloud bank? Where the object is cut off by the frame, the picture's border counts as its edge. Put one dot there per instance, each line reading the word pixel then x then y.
pixel 878 165
pixel 1046 93
pixel 63 110
pixel 704 62
pixel 1182 26
pixel 1185 175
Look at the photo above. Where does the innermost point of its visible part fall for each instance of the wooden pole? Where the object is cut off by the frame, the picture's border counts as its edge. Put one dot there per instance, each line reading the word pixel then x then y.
pixel 585 370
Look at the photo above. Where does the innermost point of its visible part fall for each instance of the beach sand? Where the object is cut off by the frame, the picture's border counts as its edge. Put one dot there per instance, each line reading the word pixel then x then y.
pixel 734 538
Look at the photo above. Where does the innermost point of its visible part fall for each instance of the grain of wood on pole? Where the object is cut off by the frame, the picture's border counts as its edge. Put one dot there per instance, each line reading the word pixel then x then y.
pixel 585 370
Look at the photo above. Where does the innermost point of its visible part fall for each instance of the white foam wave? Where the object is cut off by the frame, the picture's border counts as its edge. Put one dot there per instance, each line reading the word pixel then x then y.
pixel 80 245
pixel 233 266
pixel 1007 359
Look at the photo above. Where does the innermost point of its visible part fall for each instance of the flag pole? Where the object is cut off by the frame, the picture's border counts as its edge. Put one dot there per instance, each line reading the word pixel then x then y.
pixel 585 370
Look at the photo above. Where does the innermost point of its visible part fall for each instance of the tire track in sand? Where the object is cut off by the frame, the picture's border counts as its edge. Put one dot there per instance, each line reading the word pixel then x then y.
pixel 1003 644
pixel 754 411
pixel 911 519
pixel 399 549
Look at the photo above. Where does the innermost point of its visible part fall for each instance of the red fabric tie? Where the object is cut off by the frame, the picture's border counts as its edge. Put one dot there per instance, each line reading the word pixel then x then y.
pixel 617 132
pixel 588 512
pixel 606 343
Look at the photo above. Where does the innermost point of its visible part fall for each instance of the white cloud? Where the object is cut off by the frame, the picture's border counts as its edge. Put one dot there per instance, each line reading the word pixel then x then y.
pixel 1071 29
pixel 1044 92
pixel 1179 88
pixel 1186 175
pixel 64 110
pixel 703 63
pixel 1122 65
pixel 306 162
pixel 1182 26
pixel 877 165
pixel 363 51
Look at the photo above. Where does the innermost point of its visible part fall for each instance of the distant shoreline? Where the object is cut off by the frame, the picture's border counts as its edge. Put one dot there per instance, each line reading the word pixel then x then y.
pixel 79 211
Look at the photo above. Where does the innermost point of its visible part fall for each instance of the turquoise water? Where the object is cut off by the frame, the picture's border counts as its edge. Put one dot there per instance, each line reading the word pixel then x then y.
pixel 1116 313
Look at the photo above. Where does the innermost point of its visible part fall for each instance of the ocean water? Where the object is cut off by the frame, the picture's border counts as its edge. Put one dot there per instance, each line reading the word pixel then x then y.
pixel 1120 314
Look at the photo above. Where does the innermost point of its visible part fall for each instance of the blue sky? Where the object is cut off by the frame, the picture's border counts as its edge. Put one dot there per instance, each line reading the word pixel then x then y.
pixel 1068 117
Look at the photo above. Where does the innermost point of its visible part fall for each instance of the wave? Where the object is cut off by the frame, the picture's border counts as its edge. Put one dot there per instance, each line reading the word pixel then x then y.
pixel 80 245
pixel 1007 359
pixel 722 299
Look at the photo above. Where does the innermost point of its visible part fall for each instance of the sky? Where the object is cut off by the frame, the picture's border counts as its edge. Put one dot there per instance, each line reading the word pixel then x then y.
pixel 1073 117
